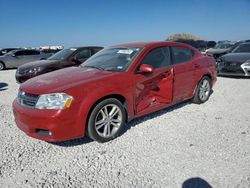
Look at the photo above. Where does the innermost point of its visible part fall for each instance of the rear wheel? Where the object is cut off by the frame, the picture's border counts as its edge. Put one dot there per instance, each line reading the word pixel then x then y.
pixel 106 120
pixel 203 90
pixel 2 66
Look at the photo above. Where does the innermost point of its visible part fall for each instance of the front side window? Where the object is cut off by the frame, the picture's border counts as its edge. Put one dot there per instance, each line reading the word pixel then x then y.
pixel 243 48
pixel 31 52
pixel 19 53
pixel 181 54
pixel 83 54
pixel 157 58
pixel 63 54
pixel 113 59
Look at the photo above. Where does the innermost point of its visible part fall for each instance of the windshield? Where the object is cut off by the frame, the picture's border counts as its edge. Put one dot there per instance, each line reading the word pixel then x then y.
pixel 63 54
pixel 243 48
pixel 113 59
pixel 223 46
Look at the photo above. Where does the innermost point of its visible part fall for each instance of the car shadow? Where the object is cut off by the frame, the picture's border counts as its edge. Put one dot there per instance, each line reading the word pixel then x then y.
pixel 3 86
pixel 74 142
pixel 153 115
pixel 234 77
pixel 129 125
pixel 196 183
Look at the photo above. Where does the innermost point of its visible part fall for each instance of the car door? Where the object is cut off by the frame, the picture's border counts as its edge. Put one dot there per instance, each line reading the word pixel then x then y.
pixel 154 90
pixel 184 73
pixel 32 55
pixel 17 58
pixel 82 55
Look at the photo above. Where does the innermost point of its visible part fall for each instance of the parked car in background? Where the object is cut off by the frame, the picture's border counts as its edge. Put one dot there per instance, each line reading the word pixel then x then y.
pixel 235 63
pixel 50 51
pixel 237 44
pixel 64 58
pixel 16 58
pixel 221 48
pixel 112 87
pixel 6 50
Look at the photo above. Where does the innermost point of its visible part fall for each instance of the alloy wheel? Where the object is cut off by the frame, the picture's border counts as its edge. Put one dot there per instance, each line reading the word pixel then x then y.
pixel 204 90
pixel 108 120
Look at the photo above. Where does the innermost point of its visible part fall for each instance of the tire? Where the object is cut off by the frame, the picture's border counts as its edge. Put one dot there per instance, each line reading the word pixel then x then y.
pixel 203 90
pixel 106 120
pixel 2 66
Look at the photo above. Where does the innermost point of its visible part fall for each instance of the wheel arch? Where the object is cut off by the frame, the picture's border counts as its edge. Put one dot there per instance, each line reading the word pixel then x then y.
pixel 4 66
pixel 119 97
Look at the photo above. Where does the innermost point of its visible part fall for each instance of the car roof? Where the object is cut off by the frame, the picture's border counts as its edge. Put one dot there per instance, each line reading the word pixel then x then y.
pixel 85 47
pixel 152 44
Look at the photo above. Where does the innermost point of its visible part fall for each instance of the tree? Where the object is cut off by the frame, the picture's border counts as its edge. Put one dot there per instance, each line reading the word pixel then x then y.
pixel 183 36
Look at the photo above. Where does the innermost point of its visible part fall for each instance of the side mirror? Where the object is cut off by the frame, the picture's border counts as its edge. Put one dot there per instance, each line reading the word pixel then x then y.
pixel 145 68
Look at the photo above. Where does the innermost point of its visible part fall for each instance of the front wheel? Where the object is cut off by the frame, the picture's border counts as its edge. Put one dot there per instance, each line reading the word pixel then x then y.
pixel 203 90
pixel 1 66
pixel 106 120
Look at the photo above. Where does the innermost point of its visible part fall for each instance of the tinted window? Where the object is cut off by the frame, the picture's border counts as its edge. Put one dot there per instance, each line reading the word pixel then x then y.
pixel 83 54
pixel 19 53
pixel 63 54
pixel 95 50
pixel 159 57
pixel 181 54
pixel 31 52
pixel 242 48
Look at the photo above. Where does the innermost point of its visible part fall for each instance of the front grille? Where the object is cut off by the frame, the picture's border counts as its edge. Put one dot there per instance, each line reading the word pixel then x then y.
pixel 26 99
pixel 232 67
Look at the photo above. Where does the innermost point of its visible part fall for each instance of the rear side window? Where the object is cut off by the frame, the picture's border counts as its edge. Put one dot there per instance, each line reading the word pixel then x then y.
pixel 31 52
pixel 181 54
pixel 83 54
pixel 157 58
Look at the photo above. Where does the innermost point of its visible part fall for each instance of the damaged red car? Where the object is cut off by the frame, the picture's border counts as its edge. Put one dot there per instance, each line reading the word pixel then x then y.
pixel 114 86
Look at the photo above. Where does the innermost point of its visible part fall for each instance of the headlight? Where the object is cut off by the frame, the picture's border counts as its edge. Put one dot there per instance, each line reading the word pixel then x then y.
pixel 35 70
pixel 54 101
pixel 246 64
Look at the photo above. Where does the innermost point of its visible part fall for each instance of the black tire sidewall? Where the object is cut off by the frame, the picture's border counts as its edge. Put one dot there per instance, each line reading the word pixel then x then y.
pixel 2 66
pixel 91 131
pixel 196 98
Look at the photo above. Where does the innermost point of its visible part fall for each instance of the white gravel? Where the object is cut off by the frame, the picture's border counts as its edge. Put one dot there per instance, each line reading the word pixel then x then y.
pixel 209 141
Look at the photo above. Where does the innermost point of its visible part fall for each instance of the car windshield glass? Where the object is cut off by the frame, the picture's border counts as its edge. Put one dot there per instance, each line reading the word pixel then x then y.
pixel 243 48
pixel 222 46
pixel 113 59
pixel 63 54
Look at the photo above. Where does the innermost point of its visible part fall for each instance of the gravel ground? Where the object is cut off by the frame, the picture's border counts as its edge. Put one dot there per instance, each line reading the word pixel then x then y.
pixel 186 145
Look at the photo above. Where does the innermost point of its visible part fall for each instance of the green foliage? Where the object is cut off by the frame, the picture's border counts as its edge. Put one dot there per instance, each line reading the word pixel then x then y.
pixel 183 36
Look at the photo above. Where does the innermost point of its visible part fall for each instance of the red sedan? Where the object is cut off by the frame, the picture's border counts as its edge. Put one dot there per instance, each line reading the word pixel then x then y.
pixel 114 86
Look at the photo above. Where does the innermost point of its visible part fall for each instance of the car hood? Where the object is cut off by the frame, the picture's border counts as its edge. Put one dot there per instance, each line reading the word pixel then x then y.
pixel 40 63
pixel 216 51
pixel 61 80
pixel 236 57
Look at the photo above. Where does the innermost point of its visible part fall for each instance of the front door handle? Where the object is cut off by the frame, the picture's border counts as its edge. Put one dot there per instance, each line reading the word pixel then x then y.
pixel 196 65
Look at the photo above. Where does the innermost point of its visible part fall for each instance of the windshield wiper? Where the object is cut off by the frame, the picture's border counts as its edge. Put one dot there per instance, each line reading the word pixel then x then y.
pixel 99 68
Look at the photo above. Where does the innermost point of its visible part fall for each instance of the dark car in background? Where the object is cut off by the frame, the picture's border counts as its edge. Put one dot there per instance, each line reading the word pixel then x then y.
pixel 221 48
pixel 236 63
pixel 6 50
pixel 64 58
pixel 16 58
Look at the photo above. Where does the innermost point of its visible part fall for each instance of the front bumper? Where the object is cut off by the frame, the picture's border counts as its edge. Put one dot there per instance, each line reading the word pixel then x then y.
pixel 20 78
pixel 233 71
pixel 48 125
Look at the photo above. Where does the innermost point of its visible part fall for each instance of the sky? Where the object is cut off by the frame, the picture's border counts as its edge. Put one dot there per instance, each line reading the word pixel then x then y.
pixel 31 23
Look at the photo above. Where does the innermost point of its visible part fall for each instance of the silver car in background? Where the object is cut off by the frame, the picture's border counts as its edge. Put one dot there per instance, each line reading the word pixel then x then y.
pixel 15 58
